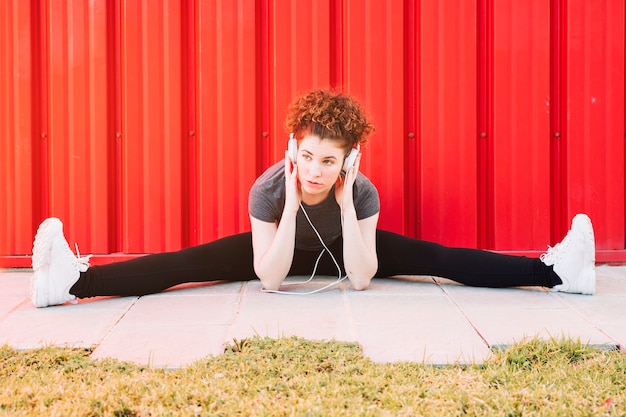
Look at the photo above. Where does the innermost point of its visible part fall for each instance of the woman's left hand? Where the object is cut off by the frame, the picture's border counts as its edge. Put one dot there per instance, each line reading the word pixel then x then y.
pixel 344 186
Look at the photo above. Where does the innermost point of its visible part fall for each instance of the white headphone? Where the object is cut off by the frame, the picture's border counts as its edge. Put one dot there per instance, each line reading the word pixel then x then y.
pixel 292 149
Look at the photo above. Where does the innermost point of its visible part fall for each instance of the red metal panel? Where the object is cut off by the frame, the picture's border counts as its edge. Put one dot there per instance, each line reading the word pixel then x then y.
pixel 143 124
pixel 300 60
pixel 412 156
pixel 189 46
pixel 152 136
pixel 522 125
pixel 595 124
pixel 114 123
pixel 374 73
pixel 227 116
pixel 16 128
pixel 558 117
pixel 448 122
pixel 77 121
pixel 485 124
pixel 40 116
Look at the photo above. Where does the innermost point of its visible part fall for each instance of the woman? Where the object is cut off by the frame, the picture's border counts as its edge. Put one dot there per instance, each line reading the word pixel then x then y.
pixel 312 213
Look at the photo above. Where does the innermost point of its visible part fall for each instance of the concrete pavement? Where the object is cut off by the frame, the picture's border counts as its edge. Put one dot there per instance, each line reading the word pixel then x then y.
pixel 421 319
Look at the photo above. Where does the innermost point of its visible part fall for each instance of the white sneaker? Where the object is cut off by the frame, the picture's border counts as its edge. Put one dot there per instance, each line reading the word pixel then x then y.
pixel 574 258
pixel 56 269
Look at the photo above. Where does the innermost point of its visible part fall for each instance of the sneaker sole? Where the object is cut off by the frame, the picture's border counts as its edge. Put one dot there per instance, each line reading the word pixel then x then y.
pixel 583 223
pixel 588 274
pixel 42 247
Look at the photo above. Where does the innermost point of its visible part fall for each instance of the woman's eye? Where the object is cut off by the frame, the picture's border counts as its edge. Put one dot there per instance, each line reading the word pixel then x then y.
pixel 328 162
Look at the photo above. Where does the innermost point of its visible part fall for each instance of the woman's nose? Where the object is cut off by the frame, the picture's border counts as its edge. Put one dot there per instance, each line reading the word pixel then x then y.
pixel 315 169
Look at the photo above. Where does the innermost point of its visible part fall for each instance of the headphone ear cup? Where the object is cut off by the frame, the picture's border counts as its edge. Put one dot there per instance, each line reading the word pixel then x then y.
pixel 349 161
pixel 292 148
pixel 351 158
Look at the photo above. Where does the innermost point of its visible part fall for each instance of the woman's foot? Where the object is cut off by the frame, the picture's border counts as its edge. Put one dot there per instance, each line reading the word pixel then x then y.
pixel 574 258
pixel 56 268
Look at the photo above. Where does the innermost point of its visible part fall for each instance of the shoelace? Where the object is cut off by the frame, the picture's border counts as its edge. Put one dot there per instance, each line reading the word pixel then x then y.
pixel 550 257
pixel 82 264
pixel 83 260
pixel 553 254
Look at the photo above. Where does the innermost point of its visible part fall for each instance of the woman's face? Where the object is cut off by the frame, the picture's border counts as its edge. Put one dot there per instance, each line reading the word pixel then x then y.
pixel 319 165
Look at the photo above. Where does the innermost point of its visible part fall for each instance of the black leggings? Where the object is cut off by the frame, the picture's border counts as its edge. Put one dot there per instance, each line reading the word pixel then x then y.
pixel 230 259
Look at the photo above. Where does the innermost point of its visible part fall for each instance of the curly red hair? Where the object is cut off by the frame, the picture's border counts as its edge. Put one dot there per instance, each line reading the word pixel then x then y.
pixel 329 115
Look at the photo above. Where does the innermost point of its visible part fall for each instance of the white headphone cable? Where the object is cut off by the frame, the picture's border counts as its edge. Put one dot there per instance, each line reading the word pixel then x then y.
pixel 339 277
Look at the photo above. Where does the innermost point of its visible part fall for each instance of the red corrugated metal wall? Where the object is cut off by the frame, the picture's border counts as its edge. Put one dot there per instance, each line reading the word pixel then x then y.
pixel 143 124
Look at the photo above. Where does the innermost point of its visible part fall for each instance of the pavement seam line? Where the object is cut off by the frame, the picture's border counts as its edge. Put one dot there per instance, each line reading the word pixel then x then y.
pixel 352 326
pixel 115 323
pixel 14 309
pixel 465 316
pixel 563 300
pixel 235 316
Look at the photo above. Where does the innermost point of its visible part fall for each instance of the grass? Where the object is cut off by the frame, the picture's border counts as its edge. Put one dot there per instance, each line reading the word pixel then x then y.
pixel 297 377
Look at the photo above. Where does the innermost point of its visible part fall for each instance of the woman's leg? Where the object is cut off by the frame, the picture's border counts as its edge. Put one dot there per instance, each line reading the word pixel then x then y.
pixel 400 255
pixel 229 258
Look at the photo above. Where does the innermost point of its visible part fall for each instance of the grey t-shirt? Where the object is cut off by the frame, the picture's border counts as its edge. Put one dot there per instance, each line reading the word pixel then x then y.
pixel 267 201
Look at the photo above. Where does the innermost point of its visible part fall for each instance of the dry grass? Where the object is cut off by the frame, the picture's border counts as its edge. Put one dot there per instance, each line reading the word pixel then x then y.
pixel 296 377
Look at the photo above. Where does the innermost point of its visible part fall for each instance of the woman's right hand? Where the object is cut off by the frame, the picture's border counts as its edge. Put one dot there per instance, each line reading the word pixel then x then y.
pixel 293 194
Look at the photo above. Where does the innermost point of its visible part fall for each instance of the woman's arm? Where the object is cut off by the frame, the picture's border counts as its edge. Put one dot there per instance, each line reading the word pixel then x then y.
pixel 273 244
pixel 359 249
pixel 359 236
pixel 273 247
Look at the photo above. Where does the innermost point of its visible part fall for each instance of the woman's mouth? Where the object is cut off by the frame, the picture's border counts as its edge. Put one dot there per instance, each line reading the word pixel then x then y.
pixel 313 183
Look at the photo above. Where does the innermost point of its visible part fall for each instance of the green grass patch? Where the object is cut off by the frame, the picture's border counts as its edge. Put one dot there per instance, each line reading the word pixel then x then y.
pixel 297 377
